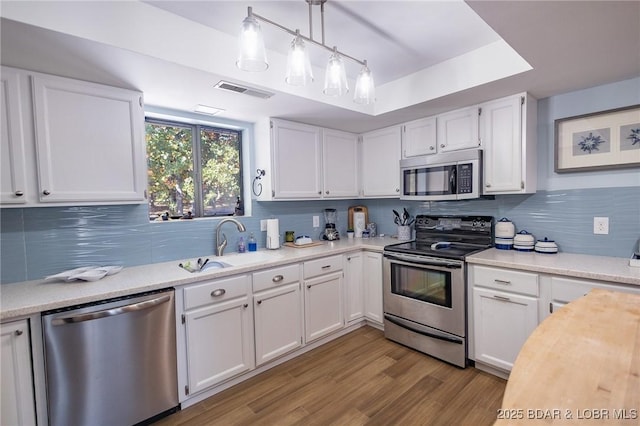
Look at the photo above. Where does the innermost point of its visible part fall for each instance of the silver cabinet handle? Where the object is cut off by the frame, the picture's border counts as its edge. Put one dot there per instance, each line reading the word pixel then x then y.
pixel 442 145
pixel 218 292
pixel 488 185
pixel 246 305
pixel 18 193
pixel 18 332
pixel 259 302
pixel 326 192
pixel 326 267
pixel 503 282
pixel 46 192
pixel 505 299
pixel 431 148
pixel 111 312
pixel 277 278
pixel 309 286
pixel 319 192
pixel 397 189
pixel 550 307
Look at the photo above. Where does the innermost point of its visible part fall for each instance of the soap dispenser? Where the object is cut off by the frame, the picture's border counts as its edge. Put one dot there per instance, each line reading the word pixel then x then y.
pixel 241 246
pixel 253 245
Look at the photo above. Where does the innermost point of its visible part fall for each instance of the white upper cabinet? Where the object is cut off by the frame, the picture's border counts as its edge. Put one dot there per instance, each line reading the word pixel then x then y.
pixel 508 134
pixel 458 129
pixel 310 162
pixel 12 161
pixel 82 143
pixel 339 164
pixel 419 137
pixel 296 160
pixel 381 163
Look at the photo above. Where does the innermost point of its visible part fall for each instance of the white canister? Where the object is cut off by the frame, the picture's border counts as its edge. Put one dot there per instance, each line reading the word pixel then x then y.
pixel 359 224
pixel 505 228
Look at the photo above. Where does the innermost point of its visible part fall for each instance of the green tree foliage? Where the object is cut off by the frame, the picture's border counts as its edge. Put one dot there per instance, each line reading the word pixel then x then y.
pixel 220 169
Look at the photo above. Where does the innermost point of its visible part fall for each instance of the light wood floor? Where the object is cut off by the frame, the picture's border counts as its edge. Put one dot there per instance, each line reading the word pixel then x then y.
pixel 360 378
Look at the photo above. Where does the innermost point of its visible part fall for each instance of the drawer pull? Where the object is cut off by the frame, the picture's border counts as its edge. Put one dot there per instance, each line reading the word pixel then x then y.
pixel 259 302
pixel 218 292
pixel 19 193
pixel 246 305
pixel 277 278
pixel 309 286
pixel 326 267
pixel 502 282
pixel 18 332
pixel 504 299
pixel 550 307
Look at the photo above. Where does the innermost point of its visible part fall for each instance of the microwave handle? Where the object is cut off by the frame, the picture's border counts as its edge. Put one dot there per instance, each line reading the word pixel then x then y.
pixel 453 180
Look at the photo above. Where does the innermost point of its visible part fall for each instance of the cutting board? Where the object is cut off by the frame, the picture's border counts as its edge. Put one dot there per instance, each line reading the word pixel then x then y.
pixel 354 209
pixel 313 244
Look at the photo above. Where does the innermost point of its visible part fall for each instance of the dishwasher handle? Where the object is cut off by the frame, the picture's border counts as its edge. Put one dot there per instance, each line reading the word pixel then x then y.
pixel 111 312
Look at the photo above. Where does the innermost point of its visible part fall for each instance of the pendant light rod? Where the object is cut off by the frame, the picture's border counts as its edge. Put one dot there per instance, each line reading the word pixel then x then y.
pixel 251 13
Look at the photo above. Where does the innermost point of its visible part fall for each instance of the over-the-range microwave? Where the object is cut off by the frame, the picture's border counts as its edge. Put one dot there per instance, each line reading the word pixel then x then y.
pixel 447 176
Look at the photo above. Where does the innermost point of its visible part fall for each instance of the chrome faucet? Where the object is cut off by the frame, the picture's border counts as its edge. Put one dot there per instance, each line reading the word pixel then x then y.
pixel 220 246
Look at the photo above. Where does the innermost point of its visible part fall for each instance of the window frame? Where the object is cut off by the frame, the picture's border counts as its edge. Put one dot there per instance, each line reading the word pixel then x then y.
pixel 196 147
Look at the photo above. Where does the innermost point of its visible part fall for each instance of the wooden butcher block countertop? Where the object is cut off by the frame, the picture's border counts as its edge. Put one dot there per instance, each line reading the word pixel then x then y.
pixel 580 366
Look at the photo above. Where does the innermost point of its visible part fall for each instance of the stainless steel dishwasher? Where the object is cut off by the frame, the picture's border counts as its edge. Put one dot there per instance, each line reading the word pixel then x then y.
pixel 112 363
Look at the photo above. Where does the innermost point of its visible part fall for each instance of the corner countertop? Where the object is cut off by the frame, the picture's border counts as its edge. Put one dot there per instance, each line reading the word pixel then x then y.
pixel 574 370
pixel 600 268
pixel 31 297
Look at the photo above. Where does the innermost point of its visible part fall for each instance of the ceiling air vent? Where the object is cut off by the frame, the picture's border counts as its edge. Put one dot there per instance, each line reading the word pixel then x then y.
pixel 225 85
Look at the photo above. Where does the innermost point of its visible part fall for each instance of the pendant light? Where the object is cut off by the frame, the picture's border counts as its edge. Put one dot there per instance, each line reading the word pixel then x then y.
pixel 335 77
pixel 365 91
pixel 252 56
pixel 299 70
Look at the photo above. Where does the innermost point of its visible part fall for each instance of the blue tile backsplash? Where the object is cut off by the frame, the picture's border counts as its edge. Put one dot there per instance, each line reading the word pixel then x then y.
pixel 41 241
pixel 36 242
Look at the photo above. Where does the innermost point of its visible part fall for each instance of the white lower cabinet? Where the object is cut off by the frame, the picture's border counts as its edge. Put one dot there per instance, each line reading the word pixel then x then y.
pixel 372 284
pixel 219 331
pixel 17 404
pixel 502 323
pixel 323 297
pixel 277 303
pixel 354 286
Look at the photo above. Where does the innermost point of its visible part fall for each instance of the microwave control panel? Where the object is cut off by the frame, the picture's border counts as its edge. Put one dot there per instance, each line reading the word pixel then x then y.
pixel 465 178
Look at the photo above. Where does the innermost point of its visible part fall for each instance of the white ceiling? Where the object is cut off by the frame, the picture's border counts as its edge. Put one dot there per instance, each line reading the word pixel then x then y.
pixel 427 56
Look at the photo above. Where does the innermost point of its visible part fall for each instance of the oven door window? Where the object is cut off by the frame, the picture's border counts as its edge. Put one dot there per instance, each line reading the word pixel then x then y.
pixel 428 285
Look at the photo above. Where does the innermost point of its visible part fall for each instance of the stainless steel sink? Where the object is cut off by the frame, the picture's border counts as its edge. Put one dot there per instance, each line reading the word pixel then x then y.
pixel 201 267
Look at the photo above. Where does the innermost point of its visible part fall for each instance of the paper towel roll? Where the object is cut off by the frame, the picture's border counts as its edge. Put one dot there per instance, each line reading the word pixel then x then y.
pixel 273 234
pixel 358 223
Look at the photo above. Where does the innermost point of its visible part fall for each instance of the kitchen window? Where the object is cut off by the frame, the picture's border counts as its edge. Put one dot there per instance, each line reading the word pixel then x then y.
pixel 193 170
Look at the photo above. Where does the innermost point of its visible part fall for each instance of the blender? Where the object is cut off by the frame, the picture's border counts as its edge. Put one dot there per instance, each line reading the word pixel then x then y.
pixel 330 230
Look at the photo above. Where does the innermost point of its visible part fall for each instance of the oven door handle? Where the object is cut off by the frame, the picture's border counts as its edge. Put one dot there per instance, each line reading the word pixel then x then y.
pixel 406 324
pixel 424 261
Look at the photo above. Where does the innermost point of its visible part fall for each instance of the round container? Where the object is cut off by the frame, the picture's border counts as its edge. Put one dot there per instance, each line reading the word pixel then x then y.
pixel 505 228
pixel 523 241
pixel 504 243
pixel 546 246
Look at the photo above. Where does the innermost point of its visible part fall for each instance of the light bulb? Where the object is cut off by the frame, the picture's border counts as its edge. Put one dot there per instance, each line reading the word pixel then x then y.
pixel 365 91
pixel 299 70
pixel 335 77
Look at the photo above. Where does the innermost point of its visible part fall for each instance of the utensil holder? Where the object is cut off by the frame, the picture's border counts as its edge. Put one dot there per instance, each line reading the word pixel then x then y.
pixel 404 233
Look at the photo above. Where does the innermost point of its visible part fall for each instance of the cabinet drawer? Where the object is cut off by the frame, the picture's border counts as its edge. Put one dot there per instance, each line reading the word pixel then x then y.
pixel 210 292
pixel 313 268
pixel 506 280
pixel 276 277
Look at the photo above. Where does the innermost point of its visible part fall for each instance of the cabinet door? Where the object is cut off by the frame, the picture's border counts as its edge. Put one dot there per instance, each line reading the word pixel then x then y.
pixel 458 130
pixel 219 343
pixel 278 321
pixel 89 140
pixel 339 164
pixel 502 323
pixel 323 305
pixel 501 134
pixel 419 138
pixel 17 406
pixel 12 158
pixel 381 163
pixel 296 160
pixel 372 274
pixel 354 286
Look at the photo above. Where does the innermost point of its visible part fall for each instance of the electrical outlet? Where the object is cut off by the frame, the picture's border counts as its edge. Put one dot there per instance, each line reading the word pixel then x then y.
pixel 263 224
pixel 601 225
pixel 316 221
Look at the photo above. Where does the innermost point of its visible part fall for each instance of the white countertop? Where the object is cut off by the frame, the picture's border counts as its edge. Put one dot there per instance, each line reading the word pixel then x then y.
pixel 30 297
pixel 600 268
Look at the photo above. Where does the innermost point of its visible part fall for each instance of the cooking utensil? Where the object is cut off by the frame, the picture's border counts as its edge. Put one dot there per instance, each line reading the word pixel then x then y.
pixel 405 216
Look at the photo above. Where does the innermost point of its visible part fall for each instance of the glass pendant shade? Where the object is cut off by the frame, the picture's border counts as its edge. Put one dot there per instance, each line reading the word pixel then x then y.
pixel 252 56
pixel 365 91
pixel 335 77
pixel 299 70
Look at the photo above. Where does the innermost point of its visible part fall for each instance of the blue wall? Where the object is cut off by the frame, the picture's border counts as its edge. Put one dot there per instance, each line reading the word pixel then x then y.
pixel 36 242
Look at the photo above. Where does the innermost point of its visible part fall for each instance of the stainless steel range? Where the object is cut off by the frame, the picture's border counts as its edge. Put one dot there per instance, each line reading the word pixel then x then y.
pixel 425 284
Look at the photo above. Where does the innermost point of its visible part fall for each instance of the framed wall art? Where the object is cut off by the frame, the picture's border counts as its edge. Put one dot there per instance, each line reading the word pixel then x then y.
pixel 603 140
